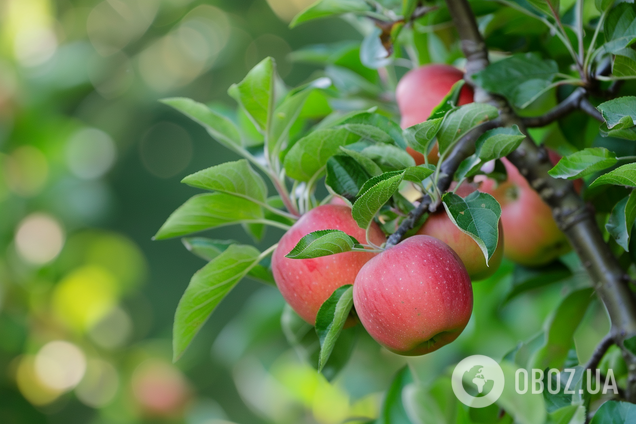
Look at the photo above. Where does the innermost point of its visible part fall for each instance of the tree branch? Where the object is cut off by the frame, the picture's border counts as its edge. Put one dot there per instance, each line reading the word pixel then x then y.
pixel 569 210
pixel 599 352
pixel 559 111
pixel 463 148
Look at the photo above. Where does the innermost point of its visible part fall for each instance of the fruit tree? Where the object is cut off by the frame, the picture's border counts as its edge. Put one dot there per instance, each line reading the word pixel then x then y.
pixel 439 152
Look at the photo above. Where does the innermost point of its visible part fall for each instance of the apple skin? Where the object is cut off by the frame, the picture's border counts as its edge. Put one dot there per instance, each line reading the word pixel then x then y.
pixel 420 90
pixel 414 297
pixel 307 283
pixel 531 236
pixel 440 226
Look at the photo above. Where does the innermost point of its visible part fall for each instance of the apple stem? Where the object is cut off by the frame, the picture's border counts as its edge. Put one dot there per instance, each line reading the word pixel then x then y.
pixel 569 210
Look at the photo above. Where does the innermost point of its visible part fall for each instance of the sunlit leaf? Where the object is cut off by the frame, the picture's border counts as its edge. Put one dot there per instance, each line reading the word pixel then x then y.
pixel 461 121
pixel 206 289
pixel 498 143
pixel 583 162
pixel 237 178
pixel 208 211
pixel 623 176
pixel 255 93
pixel 325 8
pixel 373 195
pixel 323 243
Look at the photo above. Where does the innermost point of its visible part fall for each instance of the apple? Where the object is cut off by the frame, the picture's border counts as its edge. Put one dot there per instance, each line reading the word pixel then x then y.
pixel 306 283
pixel 414 297
pixel 420 90
pixel 440 226
pixel 531 236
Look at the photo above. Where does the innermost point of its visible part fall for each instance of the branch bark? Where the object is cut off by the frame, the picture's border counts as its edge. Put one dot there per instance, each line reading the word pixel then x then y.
pixel 569 210
pixel 462 149
pixel 576 100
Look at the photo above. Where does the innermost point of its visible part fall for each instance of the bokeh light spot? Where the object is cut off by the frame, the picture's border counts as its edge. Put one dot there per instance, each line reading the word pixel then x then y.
pixel 113 330
pixel 60 365
pixel 85 296
pixel 159 388
pixel 30 385
pixel 99 385
pixel 27 171
pixel 39 238
pixel 90 153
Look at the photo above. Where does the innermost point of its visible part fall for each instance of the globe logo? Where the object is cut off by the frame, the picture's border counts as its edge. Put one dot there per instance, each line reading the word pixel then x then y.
pixel 478 381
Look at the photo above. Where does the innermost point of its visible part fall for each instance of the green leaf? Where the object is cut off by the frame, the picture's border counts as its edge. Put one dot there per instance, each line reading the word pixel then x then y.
pixel 379 122
pixel 209 249
pixel 621 220
pixel 323 243
pixel 549 7
pixel 478 216
pixel 345 176
pixel 620 27
pixel 373 195
pixel 498 143
pixel 285 115
pixel 369 166
pixel 255 93
pixel 603 5
pixel 326 8
pixel 448 103
pixel 582 163
pixel 525 279
pixel 237 178
pixel 420 137
pixel 528 408
pixel 208 211
pixel 330 321
pixel 408 7
pixel 206 289
pixel 619 113
pixel 520 78
pixel 369 132
pixel 418 173
pixel 624 133
pixel 309 155
pixel 560 328
pixel 624 64
pixel 614 412
pixel 373 54
pixel 388 157
pixel 623 176
pixel 302 337
pixel 462 120
pixel 393 411
pixel 572 389
pixel 218 126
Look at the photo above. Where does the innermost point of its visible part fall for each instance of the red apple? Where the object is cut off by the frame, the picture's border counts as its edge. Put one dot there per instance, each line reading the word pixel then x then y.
pixel 307 283
pixel 420 90
pixel 531 236
pixel 414 297
pixel 440 226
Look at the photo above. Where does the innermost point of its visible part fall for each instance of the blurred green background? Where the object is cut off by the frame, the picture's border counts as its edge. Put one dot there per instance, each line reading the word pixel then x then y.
pixel 90 164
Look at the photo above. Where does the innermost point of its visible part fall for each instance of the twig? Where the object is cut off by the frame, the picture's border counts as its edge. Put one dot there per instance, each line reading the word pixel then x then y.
pixel 568 105
pixel 569 210
pixel 576 100
pixel 464 148
pixel 589 108
pixel 599 352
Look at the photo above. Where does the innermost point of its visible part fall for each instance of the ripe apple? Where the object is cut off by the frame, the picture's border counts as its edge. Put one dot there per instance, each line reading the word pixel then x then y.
pixel 531 236
pixel 307 283
pixel 440 226
pixel 414 297
pixel 420 90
